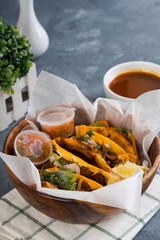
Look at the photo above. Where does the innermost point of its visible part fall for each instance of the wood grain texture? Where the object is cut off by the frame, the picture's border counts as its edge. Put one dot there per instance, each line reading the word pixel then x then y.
pixel 154 154
pixel 69 210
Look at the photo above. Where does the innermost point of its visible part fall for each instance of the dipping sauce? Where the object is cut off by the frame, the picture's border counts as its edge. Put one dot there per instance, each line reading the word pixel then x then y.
pixel 33 144
pixel 131 84
pixel 57 121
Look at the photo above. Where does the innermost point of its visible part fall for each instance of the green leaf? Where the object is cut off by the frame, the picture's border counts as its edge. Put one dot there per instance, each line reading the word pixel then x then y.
pixel 12 91
pixel 11 66
pixel 15 56
pixel 7 91
pixel 7 72
pixel 5 61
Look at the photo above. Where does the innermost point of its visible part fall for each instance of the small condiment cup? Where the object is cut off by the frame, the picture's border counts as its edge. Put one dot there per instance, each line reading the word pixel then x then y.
pixel 57 121
pixel 33 144
pixel 113 72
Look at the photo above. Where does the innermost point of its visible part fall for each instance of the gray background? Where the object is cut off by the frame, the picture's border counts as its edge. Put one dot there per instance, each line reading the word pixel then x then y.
pixel 87 37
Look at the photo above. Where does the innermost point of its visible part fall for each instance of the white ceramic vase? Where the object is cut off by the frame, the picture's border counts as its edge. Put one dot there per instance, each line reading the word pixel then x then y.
pixel 29 25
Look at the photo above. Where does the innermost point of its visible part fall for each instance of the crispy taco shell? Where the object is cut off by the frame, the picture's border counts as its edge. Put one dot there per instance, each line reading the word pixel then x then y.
pixel 114 136
pixel 128 135
pixel 47 185
pixel 86 169
pixel 99 139
pixel 86 184
pixel 116 153
pixel 85 151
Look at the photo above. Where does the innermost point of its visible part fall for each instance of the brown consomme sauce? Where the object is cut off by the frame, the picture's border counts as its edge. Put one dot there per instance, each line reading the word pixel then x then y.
pixel 131 84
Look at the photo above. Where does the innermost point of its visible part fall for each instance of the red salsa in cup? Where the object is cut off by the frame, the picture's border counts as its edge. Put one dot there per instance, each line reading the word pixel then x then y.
pixel 33 144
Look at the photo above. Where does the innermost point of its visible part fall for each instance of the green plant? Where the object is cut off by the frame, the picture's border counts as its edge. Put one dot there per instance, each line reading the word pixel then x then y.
pixel 15 56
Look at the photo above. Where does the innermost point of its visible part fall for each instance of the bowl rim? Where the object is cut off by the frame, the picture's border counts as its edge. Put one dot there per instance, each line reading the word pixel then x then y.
pixel 32 189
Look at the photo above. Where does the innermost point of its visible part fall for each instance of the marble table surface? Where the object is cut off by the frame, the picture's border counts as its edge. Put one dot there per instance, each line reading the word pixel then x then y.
pixel 88 37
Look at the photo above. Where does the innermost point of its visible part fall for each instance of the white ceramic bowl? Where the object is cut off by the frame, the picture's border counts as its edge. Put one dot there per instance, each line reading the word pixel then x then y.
pixel 123 67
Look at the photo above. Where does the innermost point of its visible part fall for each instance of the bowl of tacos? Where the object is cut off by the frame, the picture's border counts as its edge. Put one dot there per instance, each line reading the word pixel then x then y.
pixel 95 156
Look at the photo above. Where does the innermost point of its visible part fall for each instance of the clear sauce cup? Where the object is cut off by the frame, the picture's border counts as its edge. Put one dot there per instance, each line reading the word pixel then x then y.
pixel 57 121
pixel 33 144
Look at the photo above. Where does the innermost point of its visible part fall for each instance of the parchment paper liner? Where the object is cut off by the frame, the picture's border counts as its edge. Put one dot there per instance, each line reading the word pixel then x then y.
pixel 142 116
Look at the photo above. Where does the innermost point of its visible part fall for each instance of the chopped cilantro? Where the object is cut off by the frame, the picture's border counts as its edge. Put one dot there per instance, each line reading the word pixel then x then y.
pixel 88 135
pixel 73 179
pixel 83 146
pixel 125 133
pixel 109 149
pixel 46 176
pixel 119 129
pixel 96 125
pixel 74 137
pixel 57 157
pixel 61 179
pixel 90 132
pixel 61 161
pixel 128 131
pixel 84 139
pixel 99 148
pixel 123 130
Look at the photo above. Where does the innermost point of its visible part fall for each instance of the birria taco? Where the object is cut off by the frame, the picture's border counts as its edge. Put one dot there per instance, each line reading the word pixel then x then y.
pixel 128 135
pixel 66 180
pixel 113 153
pixel 66 160
pixel 123 137
pixel 85 150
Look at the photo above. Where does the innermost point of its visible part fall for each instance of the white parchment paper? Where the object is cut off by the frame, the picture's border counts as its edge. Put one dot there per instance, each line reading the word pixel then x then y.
pixel 142 116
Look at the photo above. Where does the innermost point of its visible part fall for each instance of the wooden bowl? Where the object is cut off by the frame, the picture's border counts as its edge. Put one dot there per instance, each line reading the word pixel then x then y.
pixel 69 210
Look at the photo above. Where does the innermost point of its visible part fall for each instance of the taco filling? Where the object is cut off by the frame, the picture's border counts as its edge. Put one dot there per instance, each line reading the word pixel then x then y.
pixel 67 180
pixel 60 179
pixel 87 150
pixel 111 152
pixel 128 135
pixel 66 160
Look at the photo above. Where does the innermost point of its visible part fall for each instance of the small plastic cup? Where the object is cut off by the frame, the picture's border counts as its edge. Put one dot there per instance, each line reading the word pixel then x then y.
pixel 33 144
pixel 57 121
